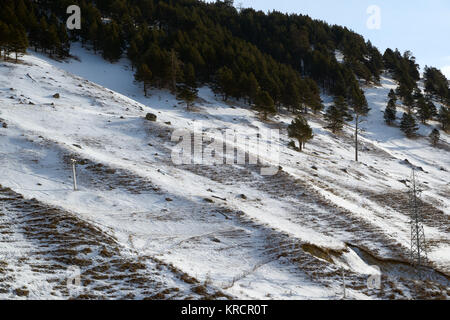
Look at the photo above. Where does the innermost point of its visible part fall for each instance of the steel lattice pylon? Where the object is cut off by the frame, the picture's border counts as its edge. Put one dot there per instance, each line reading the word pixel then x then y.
pixel 418 245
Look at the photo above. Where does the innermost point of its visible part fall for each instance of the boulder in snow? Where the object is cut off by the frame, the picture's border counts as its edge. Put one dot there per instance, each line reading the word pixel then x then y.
pixel 150 117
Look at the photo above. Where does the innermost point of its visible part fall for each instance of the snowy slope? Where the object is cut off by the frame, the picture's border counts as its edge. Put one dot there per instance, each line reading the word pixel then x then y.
pixel 246 235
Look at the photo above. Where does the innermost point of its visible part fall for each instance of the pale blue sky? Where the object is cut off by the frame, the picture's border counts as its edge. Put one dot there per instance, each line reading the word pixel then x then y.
pixel 422 26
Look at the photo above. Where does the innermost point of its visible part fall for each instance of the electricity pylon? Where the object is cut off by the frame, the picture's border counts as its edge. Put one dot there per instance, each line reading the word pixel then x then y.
pixel 418 247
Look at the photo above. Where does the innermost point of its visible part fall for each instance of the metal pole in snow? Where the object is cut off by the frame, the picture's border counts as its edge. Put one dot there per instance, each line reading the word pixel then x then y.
pixel 343 280
pixel 74 174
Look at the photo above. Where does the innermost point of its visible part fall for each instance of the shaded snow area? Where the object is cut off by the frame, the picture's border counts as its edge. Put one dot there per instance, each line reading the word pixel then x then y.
pixel 142 227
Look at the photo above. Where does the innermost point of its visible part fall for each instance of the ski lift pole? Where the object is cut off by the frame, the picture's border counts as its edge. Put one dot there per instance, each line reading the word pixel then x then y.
pixel 74 174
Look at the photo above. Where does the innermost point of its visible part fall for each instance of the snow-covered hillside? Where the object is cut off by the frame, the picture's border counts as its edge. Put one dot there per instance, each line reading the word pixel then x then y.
pixel 214 231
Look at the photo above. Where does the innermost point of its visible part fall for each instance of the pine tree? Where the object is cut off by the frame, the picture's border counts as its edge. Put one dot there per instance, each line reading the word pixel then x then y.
pixel 425 112
pixel 43 35
pixel 5 36
pixel 305 96
pixel 145 75
pixel 188 90
pixel 34 31
pixel 291 97
pixel 314 101
pixel 189 75
pixel 111 42
pixel 187 94
pixel 21 12
pixel 265 103
pixel 408 125
pixel 253 87
pixel 93 35
pixel 53 40
pixel 417 94
pixel 392 95
pixel 444 118
pixel 243 86
pixel 225 82
pixel 408 100
pixel 434 137
pixel 336 114
pixel 299 129
pixel 18 41
pixel 390 114
pixel 64 49
pixel 174 69
pixel 436 83
pixel 132 53
pixel 432 107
